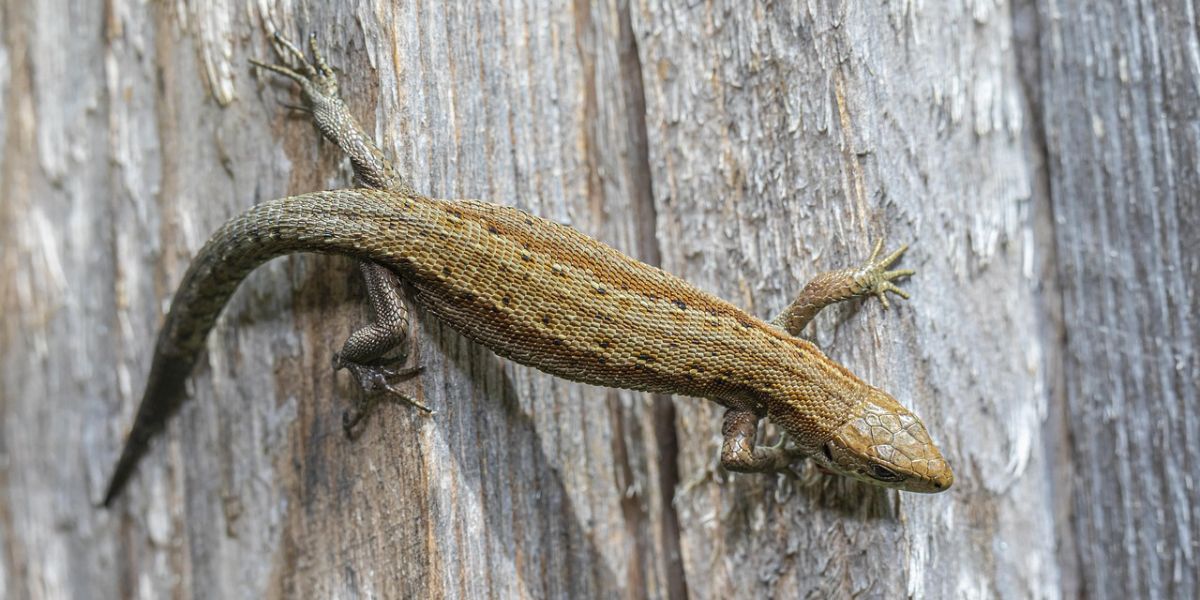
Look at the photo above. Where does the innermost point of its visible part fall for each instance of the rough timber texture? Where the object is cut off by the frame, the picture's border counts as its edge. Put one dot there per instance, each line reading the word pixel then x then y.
pixel 134 130
pixel 1120 96
pixel 1042 159
pixel 783 141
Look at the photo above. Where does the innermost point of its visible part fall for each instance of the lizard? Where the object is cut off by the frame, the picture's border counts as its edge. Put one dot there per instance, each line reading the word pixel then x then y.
pixel 544 295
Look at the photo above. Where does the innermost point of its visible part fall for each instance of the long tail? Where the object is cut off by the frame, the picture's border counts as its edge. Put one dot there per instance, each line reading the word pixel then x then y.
pixel 344 222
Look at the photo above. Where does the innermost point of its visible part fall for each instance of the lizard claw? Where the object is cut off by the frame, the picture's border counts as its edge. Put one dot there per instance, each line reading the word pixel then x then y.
pixel 376 378
pixel 875 279
pixel 792 453
pixel 318 83
pixel 781 443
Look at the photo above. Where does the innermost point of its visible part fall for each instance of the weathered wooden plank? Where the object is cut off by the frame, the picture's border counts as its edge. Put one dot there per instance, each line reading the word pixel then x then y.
pixel 135 131
pixel 1120 89
pixel 785 137
pixel 1050 343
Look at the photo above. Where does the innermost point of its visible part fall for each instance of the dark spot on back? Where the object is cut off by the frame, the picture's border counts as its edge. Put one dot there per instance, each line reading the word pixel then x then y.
pixel 679 304
pixel 445 270
pixel 492 229
pixel 645 357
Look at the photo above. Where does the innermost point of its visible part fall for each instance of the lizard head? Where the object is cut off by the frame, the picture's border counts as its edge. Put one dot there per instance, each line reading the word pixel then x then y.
pixel 886 445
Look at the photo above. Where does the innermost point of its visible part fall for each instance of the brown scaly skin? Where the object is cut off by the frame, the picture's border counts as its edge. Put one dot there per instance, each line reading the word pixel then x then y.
pixel 364 352
pixel 547 296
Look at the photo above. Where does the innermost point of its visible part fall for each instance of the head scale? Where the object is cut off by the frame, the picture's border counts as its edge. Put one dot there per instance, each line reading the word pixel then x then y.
pixel 884 444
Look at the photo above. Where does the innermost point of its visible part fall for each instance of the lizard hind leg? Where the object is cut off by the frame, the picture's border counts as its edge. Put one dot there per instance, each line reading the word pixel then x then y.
pixel 377 377
pixel 365 352
pixel 321 97
pixel 318 82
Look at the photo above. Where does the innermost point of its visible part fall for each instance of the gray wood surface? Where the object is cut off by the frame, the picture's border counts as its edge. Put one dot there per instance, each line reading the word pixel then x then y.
pixel 1120 95
pixel 784 141
pixel 1040 157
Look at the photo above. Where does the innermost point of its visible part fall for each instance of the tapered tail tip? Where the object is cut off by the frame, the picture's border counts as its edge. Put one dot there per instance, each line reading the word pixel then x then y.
pixel 122 472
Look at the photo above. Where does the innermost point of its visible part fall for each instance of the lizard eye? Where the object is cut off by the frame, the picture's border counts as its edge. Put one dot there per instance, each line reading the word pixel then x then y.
pixel 883 473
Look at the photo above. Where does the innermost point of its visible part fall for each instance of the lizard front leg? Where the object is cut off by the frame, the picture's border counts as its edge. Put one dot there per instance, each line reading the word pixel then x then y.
pixel 740 451
pixel 365 350
pixel 872 278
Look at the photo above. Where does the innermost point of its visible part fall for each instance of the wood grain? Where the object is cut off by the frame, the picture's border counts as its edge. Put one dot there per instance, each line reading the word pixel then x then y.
pixel 122 163
pixel 1120 94
pixel 1040 156
pixel 784 141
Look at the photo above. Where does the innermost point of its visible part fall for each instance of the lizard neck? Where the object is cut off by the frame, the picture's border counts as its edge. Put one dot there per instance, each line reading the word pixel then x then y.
pixel 806 393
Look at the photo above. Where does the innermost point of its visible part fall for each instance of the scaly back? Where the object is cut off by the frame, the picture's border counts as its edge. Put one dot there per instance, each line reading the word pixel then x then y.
pixel 532 290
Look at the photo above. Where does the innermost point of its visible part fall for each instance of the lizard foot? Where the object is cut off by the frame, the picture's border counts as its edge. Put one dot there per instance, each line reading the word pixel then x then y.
pixel 318 83
pixel 372 379
pixel 741 454
pixel 874 277
pixel 791 452
pixel 780 448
